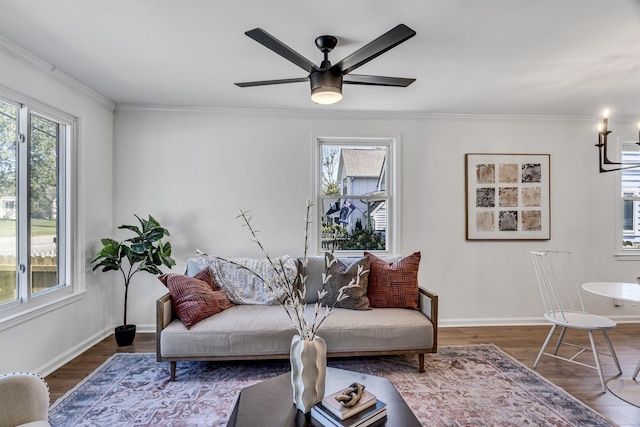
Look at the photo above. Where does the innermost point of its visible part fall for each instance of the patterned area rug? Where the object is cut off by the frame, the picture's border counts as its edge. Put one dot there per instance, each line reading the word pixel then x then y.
pixel 463 386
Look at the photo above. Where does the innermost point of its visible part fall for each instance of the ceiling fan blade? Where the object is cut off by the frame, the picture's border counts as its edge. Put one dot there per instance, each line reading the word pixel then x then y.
pixel 359 79
pixel 388 40
pixel 267 40
pixel 272 82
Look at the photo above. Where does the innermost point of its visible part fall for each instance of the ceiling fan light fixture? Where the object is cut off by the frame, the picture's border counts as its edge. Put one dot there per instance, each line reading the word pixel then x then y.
pixel 326 88
pixel 326 95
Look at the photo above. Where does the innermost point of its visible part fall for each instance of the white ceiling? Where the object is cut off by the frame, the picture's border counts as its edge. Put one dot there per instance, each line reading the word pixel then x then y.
pixel 533 57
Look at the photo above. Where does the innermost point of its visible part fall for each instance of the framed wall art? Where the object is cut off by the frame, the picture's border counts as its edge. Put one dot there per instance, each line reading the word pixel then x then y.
pixel 508 196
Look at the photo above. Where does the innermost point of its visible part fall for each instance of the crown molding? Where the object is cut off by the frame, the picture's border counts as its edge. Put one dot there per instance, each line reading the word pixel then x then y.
pixel 15 52
pixel 337 114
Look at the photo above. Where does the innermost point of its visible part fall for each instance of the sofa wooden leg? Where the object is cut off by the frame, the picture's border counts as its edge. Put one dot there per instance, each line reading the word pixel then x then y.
pixel 172 367
pixel 421 361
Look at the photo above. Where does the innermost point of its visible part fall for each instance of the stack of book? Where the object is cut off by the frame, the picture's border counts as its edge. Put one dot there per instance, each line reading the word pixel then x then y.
pixel 368 412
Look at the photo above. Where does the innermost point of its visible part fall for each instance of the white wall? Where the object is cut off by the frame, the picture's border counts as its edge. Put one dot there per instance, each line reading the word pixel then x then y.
pixel 41 344
pixel 193 171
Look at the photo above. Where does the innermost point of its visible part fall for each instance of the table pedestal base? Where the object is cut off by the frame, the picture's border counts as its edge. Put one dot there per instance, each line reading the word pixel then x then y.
pixel 627 390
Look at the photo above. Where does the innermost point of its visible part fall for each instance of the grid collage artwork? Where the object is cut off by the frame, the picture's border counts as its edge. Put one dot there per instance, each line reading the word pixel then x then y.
pixel 507 196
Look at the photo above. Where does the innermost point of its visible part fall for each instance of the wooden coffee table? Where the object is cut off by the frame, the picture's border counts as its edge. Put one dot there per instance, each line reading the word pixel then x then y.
pixel 270 403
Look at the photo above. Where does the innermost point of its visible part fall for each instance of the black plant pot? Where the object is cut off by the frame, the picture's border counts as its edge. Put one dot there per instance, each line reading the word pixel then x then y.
pixel 125 335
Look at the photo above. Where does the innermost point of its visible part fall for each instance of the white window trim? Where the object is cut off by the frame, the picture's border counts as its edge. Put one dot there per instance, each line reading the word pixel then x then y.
pixel 393 183
pixel 18 312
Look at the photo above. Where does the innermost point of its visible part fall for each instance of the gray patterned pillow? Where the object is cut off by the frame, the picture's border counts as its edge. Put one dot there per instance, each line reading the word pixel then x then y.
pixel 340 275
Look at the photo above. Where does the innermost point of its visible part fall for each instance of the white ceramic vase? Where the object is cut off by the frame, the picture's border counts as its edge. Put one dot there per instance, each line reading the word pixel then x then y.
pixel 308 371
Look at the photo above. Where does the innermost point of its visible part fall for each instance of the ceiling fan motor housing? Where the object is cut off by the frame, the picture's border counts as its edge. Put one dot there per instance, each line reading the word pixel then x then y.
pixel 324 79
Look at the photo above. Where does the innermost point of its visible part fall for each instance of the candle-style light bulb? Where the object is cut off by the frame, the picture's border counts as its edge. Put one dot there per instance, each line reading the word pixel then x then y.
pixel 605 120
pixel 599 135
pixel 605 114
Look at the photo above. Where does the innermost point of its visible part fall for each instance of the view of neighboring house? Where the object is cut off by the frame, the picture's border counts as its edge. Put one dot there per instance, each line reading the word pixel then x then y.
pixel 8 207
pixel 630 186
pixel 361 172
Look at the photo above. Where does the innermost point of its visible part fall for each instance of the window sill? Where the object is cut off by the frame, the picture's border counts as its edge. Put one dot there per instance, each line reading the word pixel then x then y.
pixel 621 256
pixel 30 313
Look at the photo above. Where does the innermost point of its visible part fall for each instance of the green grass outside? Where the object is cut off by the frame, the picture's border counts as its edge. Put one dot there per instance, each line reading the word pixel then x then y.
pixel 39 227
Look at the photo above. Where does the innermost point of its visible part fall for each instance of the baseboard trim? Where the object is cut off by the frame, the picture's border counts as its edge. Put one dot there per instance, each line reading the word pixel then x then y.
pixel 460 323
pixel 85 345
pixel 73 352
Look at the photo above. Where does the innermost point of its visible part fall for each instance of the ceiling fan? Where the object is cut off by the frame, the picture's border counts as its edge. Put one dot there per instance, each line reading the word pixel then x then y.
pixel 326 79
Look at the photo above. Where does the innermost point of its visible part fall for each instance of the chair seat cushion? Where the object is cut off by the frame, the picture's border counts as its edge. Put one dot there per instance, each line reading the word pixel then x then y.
pixel 581 320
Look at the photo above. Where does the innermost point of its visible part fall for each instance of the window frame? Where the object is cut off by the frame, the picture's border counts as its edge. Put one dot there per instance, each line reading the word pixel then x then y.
pixel 392 188
pixel 69 287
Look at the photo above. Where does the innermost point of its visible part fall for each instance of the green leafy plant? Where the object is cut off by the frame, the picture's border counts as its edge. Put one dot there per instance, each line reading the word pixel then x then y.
pixel 143 252
pixel 363 239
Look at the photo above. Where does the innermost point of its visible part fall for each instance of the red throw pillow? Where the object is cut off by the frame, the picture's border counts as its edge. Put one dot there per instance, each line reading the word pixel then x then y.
pixel 193 298
pixel 207 276
pixel 394 284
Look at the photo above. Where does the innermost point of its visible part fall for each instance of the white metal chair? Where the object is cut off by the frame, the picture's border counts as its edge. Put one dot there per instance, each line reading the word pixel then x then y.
pixel 563 307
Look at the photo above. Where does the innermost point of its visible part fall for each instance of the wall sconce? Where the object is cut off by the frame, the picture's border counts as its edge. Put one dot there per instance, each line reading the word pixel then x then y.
pixel 603 158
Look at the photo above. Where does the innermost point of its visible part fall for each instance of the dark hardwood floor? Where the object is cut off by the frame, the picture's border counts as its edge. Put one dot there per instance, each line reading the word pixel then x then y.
pixel 521 342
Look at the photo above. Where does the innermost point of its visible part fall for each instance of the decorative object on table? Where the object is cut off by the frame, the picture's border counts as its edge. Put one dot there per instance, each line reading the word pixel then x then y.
pixel 373 415
pixel 526 398
pixel 308 360
pixel 507 196
pixel 351 395
pixel 143 252
pixel 603 154
pixel 308 355
pixel 334 402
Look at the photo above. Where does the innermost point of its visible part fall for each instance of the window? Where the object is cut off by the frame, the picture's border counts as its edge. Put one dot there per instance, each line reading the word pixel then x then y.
pixel 630 192
pixel 34 205
pixel 355 194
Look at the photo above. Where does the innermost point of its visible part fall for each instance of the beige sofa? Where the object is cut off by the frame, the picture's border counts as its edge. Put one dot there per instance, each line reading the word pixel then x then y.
pixel 264 331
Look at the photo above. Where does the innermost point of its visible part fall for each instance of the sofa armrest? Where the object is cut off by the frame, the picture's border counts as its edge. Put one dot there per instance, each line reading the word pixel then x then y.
pixel 164 315
pixel 429 307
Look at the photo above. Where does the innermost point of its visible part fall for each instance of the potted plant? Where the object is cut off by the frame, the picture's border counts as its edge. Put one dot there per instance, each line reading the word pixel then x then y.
pixel 143 252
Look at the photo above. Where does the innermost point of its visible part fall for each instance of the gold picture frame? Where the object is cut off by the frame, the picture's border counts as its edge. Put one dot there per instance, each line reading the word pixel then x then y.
pixel 508 196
